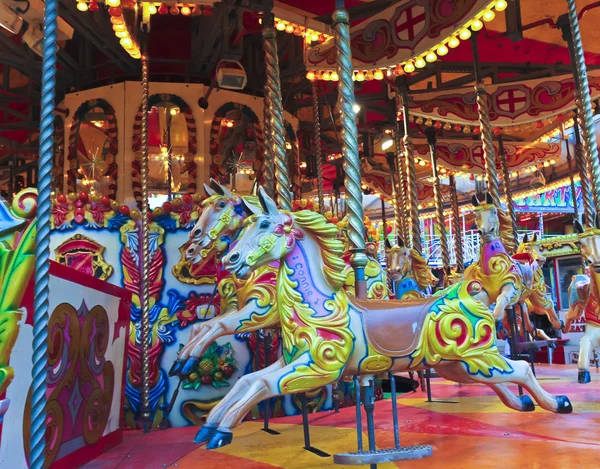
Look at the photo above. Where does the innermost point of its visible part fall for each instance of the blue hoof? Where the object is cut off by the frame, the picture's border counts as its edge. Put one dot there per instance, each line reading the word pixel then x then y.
pixel 528 405
pixel 176 368
pixel 219 439
pixel 205 433
pixel 583 377
pixel 564 405
pixel 189 367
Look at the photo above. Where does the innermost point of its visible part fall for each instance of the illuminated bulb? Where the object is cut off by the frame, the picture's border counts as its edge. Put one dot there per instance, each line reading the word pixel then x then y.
pixel 488 15
pixel 174 10
pixel 152 9
pixel 113 3
pixel 121 34
pixel 280 26
pixel 310 75
pixel 369 75
pixel 422 163
pixel 326 76
pixel 387 144
pixel 476 25
pixel 288 145
pixel 314 37
pixel 378 75
pixel 126 42
pixel 356 108
pixel 453 42
pixel 186 11
pixel 464 34
pixel 174 111
pixel 334 76
pixel 419 63
pixel 546 164
pixel 119 27
pixel 229 124
pixel 289 29
pixel 409 67
pixel 360 76
pixel 442 50
pixel 553 161
pixel 431 57
pixel 82 6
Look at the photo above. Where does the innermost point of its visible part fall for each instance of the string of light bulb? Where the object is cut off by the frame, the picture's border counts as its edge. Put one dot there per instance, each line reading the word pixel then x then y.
pixel 420 61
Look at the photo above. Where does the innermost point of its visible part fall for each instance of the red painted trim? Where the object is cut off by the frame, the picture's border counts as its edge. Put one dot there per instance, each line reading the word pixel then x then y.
pixel 85 454
pixel 72 275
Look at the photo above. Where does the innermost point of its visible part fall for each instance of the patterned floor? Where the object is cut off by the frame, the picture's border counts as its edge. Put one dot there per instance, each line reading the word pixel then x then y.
pixel 467 426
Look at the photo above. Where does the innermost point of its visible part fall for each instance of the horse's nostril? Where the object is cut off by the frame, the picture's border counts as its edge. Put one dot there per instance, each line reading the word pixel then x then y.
pixel 197 232
pixel 235 256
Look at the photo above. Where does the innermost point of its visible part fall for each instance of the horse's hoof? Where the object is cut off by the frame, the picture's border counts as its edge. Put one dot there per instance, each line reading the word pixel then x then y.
pixel 205 433
pixel 583 377
pixel 219 439
pixel 528 405
pixel 174 371
pixel 564 405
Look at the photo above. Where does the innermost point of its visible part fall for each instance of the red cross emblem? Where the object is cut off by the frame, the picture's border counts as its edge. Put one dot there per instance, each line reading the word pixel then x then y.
pixel 511 100
pixel 410 23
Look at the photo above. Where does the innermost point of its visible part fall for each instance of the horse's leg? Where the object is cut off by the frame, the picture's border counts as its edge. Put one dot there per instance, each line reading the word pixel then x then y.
pixel 585 348
pixel 508 296
pixel 294 377
pixel 232 397
pixel 457 373
pixel 573 313
pixel 525 317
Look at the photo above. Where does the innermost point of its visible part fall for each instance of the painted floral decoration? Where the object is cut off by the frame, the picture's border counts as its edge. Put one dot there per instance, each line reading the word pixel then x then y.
pixel 216 366
pixel 287 229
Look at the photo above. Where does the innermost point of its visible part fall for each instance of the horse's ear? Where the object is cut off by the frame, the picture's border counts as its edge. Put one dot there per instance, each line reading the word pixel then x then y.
pixel 488 198
pixel 525 239
pixel 250 208
pixel 226 192
pixel 216 187
pixel 534 239
pixel 577 226
pixel 268 204
pixel 209 191
pixel 400 242
pixel 388 245
pixel 475 201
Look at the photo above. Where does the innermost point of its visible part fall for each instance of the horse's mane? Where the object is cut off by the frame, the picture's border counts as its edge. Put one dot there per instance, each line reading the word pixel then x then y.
pixel 506 232
pixel 421 270
pixel 334 267
pixel 249 198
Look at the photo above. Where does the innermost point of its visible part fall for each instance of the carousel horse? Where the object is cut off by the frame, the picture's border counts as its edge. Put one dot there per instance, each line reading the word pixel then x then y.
pixel 327 335
pixel 539 299
pixel 584 296
pixel 409 272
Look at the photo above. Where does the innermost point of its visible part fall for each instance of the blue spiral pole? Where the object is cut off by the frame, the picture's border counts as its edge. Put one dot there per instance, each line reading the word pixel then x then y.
pixel 42 250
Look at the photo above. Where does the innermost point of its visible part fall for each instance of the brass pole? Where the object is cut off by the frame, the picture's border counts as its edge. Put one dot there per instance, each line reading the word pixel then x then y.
pixel 508 190
pixel 317 146
pixel 458 241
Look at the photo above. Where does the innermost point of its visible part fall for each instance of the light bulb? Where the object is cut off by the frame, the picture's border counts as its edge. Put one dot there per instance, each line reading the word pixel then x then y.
pixel 334 76
pixel 431 57
pixel 185 11
pixel 387 144
pixel 314 37
pixel 326 76
pixel 409 67
pixel 501 5
pixel 152 9
pixel 360 76
pixel 488 15
pixel 310 75
pixel 356 108
pixel 378 75
pixel 121 34
pixel 453 42
pixel 126 42
pixel 464 34
pixel 289 29
pixel 113 3
pixel 476 25
pixel 280 26
pixel 420 63
pixel 442 50
pixel 82 6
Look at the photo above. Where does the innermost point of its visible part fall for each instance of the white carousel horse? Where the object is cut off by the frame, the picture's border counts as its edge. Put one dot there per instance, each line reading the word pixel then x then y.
pixel 584 297
pixel 327 335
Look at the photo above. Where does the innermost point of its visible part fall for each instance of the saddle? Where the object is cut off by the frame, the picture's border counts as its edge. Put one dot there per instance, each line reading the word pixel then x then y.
pixel 393 327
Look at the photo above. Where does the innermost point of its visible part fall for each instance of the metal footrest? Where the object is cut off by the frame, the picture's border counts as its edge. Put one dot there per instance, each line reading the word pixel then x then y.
pixel 536 345
pixel 383 455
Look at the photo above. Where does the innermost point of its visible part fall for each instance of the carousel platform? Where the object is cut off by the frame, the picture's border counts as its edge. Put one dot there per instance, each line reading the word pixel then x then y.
pixel 467 426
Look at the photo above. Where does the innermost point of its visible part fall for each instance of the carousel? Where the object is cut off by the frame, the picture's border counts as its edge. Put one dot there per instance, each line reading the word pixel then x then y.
pixel 299 234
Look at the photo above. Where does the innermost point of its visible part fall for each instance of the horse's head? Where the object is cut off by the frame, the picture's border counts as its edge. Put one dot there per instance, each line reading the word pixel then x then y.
pixel 486 218
pixel 531 246
pixel 222 215
pixel 589 242
pixel 267 237
pixel 397 259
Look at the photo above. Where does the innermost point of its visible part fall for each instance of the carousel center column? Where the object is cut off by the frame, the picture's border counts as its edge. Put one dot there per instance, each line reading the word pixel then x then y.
pixel 352 180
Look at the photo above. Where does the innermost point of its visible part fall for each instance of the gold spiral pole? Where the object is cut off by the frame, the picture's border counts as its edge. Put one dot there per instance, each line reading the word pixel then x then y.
pixel 458 241
pixel 403 225
pixel 269 164
pixel 145 300
pixel 398 222
pixel 277 128
pixel 508 190
pixel 571 178
pixel 411 178
pixel 439 204
pixel 584 106
pixel 352 179
pixel 486 128
pixel 317 146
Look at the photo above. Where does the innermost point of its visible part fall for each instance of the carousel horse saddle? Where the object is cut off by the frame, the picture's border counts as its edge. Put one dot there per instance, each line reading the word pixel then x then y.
pixel 393 327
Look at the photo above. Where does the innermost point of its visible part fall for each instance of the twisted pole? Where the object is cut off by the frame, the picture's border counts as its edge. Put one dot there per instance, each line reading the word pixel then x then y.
pixel 572 180
pixel 277 128
pixel 269 163
pixel 486 128
pixel 145 303
pixel 403 228
pixel 584 105
pixel 584 178
pixel 352 181
pixel 42 250
pixel 439 204
pixel 317 145
pixel 398 221
pixel 411 178
pixel 508 190
pixel 458 242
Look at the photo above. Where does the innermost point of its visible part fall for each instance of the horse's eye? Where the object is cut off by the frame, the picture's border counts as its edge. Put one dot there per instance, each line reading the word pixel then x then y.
pixel 264 224
pixel 222 205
